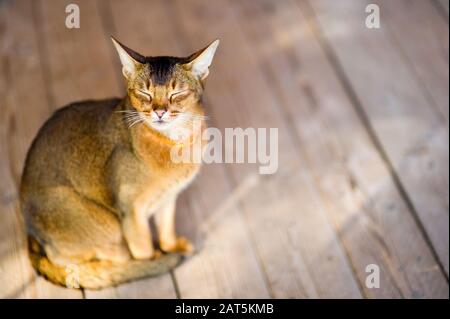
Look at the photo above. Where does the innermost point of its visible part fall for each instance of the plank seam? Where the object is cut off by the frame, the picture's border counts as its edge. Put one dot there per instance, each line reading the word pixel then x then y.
pixel 36 7
pixel 293 134
pixel 241 211
pixel 441 10
pixel 268 74
pixel 109 27
pixel 43 53
pixel 231 182
pixel 175 284
pixel 426 92
pixel 357 105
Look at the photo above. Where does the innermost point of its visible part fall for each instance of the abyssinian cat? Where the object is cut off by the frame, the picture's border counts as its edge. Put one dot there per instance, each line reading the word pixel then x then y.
pixel 98 170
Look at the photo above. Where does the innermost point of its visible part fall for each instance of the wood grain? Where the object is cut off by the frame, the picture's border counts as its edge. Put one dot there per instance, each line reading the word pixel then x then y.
pixel 22 92
pixel 426 50
pixel 361 198
pixel 292 236
pixel 443 5
pixel 410 132
pixel 362 118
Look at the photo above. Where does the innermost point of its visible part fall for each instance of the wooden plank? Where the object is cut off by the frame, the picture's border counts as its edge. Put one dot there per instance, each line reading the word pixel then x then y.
pixel 79 60
pixel 225 265
pixel 423 38
pixel 24 106
pixel 372 219
pixel 444 6
pixel 81 67
pixel 160 287
pixel 290 231
pixel 408 129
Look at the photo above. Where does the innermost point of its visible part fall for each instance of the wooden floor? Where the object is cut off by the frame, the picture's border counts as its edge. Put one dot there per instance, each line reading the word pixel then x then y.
pixel 363 119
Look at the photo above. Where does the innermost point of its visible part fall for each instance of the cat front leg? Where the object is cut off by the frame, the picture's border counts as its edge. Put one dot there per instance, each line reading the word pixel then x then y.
pixel 126 186
pixel 137 234
pixel 165 223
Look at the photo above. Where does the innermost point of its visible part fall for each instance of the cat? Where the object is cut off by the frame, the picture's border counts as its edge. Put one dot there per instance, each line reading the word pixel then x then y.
pixel 98 170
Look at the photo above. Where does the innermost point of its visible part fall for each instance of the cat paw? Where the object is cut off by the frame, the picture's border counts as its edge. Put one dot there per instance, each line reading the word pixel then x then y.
pixel 158 253
pixel 148 255
pixel 181 245
pixel 141 252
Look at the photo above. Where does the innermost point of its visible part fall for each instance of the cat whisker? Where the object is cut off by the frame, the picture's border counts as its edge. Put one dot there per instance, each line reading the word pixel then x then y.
pixel 126 111
pixel 140 120
pixel 132 117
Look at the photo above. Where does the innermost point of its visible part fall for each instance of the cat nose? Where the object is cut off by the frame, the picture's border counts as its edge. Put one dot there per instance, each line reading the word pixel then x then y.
pixel 160 112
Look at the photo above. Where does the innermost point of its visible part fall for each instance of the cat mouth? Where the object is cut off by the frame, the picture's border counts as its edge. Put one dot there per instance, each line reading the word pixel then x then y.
pixel 160 123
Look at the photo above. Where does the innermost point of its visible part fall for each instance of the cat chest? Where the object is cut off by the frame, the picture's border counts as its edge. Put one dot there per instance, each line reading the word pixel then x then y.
pixel 163 188
pixel 170 178
pixel 180 176
pixel 137 178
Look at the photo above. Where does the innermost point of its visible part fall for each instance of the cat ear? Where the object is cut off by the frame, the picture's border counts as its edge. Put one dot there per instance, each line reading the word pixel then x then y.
pixel 130 59
pixel 200 61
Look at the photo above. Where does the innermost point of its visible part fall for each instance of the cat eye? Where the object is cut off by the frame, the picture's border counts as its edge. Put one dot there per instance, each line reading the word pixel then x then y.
pixel 144 94
pixel 179 95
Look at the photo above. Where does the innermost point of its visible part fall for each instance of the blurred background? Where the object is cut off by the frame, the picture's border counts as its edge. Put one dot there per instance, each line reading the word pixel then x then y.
pixel 362 115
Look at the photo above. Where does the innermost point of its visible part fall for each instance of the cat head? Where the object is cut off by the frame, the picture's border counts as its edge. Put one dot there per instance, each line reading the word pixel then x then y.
pixel 165 91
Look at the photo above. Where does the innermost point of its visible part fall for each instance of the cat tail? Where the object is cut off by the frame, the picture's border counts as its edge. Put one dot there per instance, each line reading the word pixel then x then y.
pixel 100 274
